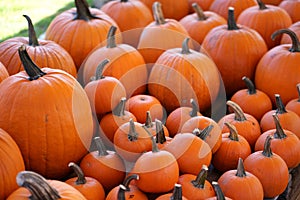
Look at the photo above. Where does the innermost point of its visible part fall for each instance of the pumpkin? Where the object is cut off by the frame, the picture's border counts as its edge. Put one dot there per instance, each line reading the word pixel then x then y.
pixel 285 143
pixel 69 27
pixel 3 72
pixel 251 98
pixel 104 165
pixel 131 191
pixel 265 162
pixel 140 104
pixel 126 62
pixel 196 187
pixel 45 53
pixel 131 140
pixel 288 119
pixel 240 184
pixel 204 4
pixel 281 61
pixel 246 125
pixel 161 138
pixel 34 186
pixel 11 164
pixel 155 126
pixel 221 6
pixel 160 35
pixel 234 59
pixel 181 74
pixel 158 170
pixel 265 19
pixel 293 104
pixel 273 2
pixel 89 187
pixel 171 10
pixel 295 27
pixel 104 92
pixel 176 194
pixel 292 8
pixel 131 16
pixel 233 147
pixel 58 106
pixel 180 115
pixel 198 24
pixel 219 193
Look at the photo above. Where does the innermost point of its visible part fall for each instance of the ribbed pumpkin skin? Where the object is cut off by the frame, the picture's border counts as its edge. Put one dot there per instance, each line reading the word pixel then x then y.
pixel 49 118
pixel 11 163
pixel 292 7
pixel 3 72
pixel 71 34
pixel 265 21
pixel 236 54
pixel 47 54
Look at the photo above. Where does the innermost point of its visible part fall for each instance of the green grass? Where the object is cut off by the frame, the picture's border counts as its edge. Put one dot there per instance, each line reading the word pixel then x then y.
pixel 12 22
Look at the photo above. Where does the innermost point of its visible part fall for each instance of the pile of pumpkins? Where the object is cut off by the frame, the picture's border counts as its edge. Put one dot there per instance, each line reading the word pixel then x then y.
pixel 143 99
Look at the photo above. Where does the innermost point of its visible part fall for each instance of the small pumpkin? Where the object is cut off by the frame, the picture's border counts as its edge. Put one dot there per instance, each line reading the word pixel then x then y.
pixel 295 27
pixel 292 8
pixel 176 194
pixel 294 104
pixel 155 126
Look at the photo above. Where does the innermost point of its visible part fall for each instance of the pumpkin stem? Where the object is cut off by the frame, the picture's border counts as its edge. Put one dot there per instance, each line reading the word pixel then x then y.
pixel 111 37
pixel 160 133
pixel 83 11
pixel 78 171
pixel 201 177
pixel 33 71
pixel 33 41
pixel 102 151
pixel 177 192
pixel 128 179
pixel 132 135
pixel 280 108
pixel 37 185
pixel 155 148
pixel 279 133
pixel 298 90
pixel 198 10
pixel 295 41
pixel 231 23
pixel 267 147
pixel 124 1
pixel 148 122
pixel 240 172
pixel 121 192
pixel 239 114
pixel 195 108
pixel 119 110
pixel 233 134
pixel 99 71
pixel 218 191
pixel 185 46
pixel 158 13
pixel 261 4
pixel 250 85
pixel 202 134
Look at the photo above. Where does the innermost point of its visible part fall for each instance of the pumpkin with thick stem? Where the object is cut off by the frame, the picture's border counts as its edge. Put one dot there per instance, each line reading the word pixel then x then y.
pixel 131 191
pixel 198 24
pixel 292 8
pixel 233 147
pixel 251 98
pixel 234 59
pixel 3 72
pixel 34 186
pixel 196 187
pixel 219 193
pixel 288 119
pixel 285 143
pixel 246 125
pixel 294 104
pixel 175 195
pixel 67 29
pixel 265 19
pixel 158 170
pixel 240 184
pixel 265 162
pixel 45 53
pixel 155 126
pixel 52 112
pixel 104 165
pixel 89 187
pixel 160 137
pixel 281 61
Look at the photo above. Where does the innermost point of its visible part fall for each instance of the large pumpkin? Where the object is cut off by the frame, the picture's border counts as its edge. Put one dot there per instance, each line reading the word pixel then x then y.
pixel 48 114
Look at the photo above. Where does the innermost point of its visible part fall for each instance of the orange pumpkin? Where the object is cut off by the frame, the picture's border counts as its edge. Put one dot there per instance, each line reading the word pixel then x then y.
pixel 57 104
pixel 294 104
pixel 292 7
pixel 265 19
pixel 69 27
pixel 155 126
pixel 3 72
pixel 273 2
pixel 44 52
pixel 295 27
pixel 176 194
pixel 204 4
pixel 234 59
pixel 219 193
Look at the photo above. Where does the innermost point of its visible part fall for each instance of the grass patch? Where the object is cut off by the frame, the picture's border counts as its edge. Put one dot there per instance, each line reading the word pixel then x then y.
pixel 13 24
